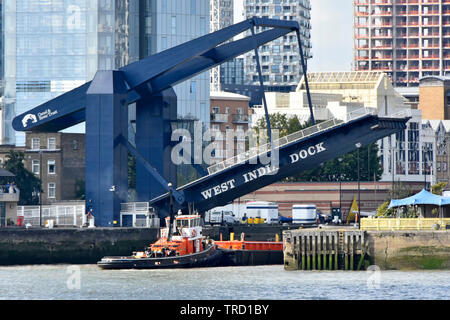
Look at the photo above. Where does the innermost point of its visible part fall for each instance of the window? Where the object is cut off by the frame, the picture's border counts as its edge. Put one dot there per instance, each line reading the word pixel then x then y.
pixel 51 143
pixel 173 24
pixel 35 143
pixel 193 87
pixel 51 166
pixel 35 168
pixel 51 190
pixel 75 144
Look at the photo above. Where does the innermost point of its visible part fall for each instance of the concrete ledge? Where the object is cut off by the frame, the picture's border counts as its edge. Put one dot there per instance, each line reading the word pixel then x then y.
pixel 415 250
pixel 19 246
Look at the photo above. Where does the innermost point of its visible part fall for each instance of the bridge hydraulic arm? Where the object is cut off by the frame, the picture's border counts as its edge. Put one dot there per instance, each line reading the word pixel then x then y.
pixel 158 72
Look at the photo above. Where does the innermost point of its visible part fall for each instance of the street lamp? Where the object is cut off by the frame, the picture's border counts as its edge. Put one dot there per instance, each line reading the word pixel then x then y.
pixel 425 161
pixel 40 190
pixel 340 184
pixel 359 145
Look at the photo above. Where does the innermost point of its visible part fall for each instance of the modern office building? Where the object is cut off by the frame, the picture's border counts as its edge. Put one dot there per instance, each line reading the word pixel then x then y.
pixel 52 47
pixel 280 59
pixel 168 23
pixel 408 39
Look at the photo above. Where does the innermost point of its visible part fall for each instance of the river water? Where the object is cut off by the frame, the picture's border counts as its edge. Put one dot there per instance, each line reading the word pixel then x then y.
pixel 67 282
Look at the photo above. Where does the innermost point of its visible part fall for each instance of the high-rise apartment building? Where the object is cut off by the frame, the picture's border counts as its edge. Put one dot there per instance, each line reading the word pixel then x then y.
pixel 280 59
pixel 408 39
pixel 222 15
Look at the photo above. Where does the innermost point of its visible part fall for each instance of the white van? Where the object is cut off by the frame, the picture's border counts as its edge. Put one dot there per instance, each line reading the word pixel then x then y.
pixel 217 216
pixel 263 210
pixel 304 214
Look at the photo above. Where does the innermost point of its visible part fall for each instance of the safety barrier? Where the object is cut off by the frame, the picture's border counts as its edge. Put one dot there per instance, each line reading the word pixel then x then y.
pixel 399 224
pixel 138 215
pixel 240 158
pixel 62 215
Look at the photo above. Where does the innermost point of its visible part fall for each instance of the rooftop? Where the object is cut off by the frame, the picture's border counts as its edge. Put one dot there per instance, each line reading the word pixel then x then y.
pixel 228 96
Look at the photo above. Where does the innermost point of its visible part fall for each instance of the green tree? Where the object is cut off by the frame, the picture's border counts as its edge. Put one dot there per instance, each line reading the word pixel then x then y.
pixel 438 188
pixel 28 184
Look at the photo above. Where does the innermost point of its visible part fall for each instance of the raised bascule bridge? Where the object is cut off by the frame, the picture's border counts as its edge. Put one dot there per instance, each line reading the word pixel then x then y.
pixel 103 104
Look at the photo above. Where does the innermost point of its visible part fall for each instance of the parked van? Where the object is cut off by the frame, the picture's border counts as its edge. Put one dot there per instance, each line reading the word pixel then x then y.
pixel 304 214
pixel 263 211
pixel 217 216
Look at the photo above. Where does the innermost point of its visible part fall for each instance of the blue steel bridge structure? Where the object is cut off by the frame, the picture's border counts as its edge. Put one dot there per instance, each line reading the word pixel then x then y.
pixel 103 104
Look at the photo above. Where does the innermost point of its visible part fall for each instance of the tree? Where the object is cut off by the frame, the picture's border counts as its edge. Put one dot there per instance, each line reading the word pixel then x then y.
pixel 28 184
pixel 438 188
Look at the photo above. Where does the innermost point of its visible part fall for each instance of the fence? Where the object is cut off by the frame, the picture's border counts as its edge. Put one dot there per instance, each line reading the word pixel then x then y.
pixel 399 224
pixel 138 215
pixel 62 215
pixel 288 139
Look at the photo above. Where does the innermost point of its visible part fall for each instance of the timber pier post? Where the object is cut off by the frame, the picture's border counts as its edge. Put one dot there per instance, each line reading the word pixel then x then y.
pixel 322 249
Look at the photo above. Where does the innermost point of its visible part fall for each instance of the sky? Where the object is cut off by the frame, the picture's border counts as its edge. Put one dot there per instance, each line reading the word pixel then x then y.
pixel 332 34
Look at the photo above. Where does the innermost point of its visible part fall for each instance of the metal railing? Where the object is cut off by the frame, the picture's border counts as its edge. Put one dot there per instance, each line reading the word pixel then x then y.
pixel 139 214
pixel 253 152
pixel 62 215
pixel 399 224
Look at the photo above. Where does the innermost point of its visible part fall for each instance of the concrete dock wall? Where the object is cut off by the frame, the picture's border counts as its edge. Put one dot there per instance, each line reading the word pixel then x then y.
pixel 389 250
pixel 417 250
pixel 19 246
pixel 71 246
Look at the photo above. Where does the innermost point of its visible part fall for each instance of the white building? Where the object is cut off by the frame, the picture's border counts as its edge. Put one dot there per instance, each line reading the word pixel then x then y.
pixel 335 94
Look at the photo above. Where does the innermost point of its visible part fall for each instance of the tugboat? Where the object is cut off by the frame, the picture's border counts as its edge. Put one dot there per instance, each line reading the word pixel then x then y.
pixel 180 245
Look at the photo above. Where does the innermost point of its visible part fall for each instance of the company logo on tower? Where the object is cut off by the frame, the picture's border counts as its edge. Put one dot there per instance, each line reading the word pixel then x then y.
pixel 27 118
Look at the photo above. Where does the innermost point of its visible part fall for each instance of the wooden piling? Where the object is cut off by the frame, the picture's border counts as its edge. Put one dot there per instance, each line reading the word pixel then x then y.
pixel 315 249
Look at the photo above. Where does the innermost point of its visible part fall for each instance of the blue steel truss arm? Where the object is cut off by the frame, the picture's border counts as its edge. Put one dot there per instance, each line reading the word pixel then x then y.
pixel 158 72
pixel 305 74
pixel 179 196
pixel 261 83
pixel 140 72
pixel 211 59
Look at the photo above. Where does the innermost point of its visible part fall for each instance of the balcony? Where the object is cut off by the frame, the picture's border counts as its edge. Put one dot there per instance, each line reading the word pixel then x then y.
pixel 240 118
pixel 219 117
pixel 7 196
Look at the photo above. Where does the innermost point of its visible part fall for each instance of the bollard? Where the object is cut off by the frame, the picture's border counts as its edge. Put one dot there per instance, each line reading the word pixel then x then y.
pixel 232 236
pixel 277 238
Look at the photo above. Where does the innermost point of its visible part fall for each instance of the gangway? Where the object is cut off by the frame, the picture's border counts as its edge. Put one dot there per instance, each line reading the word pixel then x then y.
pixel 303 150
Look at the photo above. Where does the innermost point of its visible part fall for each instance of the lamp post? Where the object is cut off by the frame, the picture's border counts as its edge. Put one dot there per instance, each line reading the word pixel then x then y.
pixel 340 184
pixel 425 163
pixel 40 190
pixel 358 145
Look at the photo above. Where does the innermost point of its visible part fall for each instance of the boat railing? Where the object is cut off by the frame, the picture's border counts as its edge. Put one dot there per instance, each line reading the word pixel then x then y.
pixel 263 149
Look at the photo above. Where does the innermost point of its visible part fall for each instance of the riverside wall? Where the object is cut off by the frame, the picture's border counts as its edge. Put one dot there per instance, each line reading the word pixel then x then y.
pixel 20 246
pixel 414 250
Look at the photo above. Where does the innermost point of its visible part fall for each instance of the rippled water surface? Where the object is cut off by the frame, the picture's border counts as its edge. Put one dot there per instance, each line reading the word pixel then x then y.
pixel 65 282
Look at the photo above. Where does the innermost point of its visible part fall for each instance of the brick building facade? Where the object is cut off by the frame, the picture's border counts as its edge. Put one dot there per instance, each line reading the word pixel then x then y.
pixel 58 159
